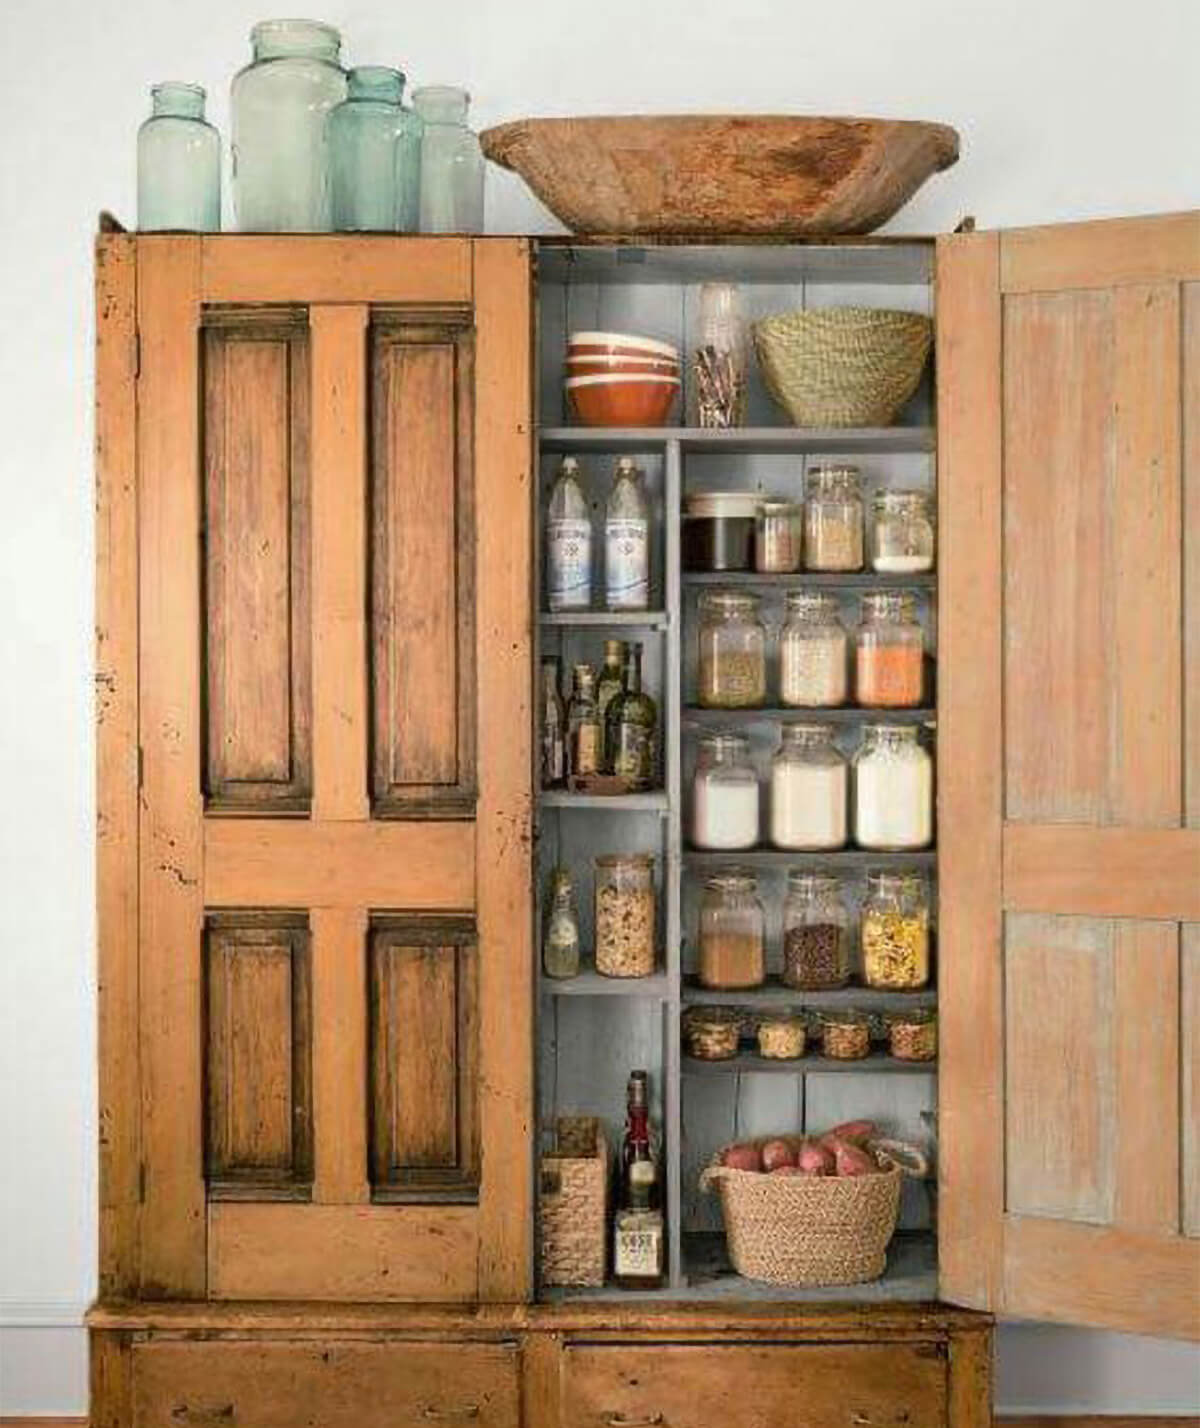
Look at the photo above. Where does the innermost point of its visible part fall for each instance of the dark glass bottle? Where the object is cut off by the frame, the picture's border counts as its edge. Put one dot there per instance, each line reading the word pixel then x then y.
pixel 554 726
pixel 638 1239
pixel 584 743
pixel 630 727
pixel 609 685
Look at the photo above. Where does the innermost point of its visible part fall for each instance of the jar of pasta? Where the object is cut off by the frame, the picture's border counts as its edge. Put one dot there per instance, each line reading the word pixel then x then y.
pixel 782 1037
pixel 625 914
pixel 833 519
pixel 732 932
pixel 813 651
pixel 733 651
pixel 895 931
pixel 890 650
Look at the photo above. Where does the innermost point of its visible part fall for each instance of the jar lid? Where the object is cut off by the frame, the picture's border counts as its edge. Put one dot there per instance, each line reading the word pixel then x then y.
pixel 807 879
pixel 902 498
pixel 725 741
pixel 777 507
pixel 898 879
pixel 729 602
pixel 625 860
pixel 732 880
pixel 918 1016
pixel 833 476
pixel 897 605
pixel 852 1016
pixel 727 504
pixel 811 602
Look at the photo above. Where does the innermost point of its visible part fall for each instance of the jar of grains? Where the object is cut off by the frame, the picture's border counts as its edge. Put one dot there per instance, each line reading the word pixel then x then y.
pixel 912 1035
pixel 809 779
pixel 816 932
pixel 895 931
pixel 893 789
pixel 724 793
pixel 889 652
pixel 846 1035
pixel 813 651
pixel 778 539
pixel 732 932
pixel 624 909
pixel 712 1033
pixel 901 532
pixel 733 651
pixel 833 519
pixel 781 1037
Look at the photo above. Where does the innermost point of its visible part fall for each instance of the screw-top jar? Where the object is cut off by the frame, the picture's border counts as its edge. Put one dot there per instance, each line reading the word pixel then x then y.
pixel 813 651
pixel 809 780
pixel 902 535
pixel 724 793
pixel 895 931
pixel 364 131
pixel 732 938
pixel 889 653
pixel 816 932
pixel 452 168
pixel 778 537
pixel 280 104
pixel 733 651
pixel 179 164
pixel 893 789
pixel 833 519
pixel 624 915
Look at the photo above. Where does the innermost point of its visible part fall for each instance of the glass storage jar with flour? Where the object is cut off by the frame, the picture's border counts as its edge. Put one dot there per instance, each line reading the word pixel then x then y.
pixel 808 789
pixel 893 789
pixel 724 793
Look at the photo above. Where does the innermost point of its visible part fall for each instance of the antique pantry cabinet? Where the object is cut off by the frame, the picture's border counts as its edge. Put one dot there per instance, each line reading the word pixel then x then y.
pixel 325 1055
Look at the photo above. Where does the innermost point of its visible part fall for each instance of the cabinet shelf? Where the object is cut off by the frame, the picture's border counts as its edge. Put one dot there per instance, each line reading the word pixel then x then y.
pixel 604 619
pixel 589 983
pixel 775 994
pixel 847 714
pixel 605 803
pixel 853 580
pixel 745 440
pixel 810 1064
pixel 845 858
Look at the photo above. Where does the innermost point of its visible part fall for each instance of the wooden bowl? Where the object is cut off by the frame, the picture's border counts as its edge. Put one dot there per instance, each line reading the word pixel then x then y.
pixel 599 400
pixel 723 174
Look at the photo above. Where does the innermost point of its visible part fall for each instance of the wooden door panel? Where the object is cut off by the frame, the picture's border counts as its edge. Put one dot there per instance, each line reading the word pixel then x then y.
pixel 1189 1024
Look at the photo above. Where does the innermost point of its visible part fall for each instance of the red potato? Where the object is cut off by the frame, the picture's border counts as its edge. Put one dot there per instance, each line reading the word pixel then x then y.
pixel 776 1153
pixel 816 1160
pixel 854 1131
pixel 853 1160
pixel 742 1157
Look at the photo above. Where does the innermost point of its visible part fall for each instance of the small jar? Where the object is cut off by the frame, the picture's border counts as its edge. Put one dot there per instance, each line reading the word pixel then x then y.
pixel 814 651
pixel 846 1035
pixel 724 793
pixel 560 941
pixel 816 933
pixel 178 164
pixel 732 932
pixel 782 1038
pixel 913 1035
pixel 893 789
pixel 733 651
pixel 809 780
pixel 717 530
pixel 718 397
pixel 452 163
pixel 895 932
pixel 624 915
pixel 712 1033
pixel 778 538
pixel 902 534
pixel 833 519
pixel 890 650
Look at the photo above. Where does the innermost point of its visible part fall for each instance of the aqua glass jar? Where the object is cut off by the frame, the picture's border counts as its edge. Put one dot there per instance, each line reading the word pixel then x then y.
pixel 178 163
pixel 408 170
pixel 280 104
pixel 364 131
pixel 451 162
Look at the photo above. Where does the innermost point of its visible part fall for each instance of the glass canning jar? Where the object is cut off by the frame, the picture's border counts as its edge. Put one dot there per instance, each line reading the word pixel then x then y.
pixel 732 951
pixel 902 535
pixel 889 651
pixel 895 931
pixel 364 132
pixel 809 789
pixel 724 793
pixel 624 914
pixel 178 164
pixel 452 164
pixel 814 651
pixel 893 789
pixel 733 651
pixel 833 519
pixel 816 932
pixel 718 388
pixel 778 537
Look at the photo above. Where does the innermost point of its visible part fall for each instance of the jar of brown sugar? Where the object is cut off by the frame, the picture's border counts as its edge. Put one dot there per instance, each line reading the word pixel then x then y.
pixel 732 932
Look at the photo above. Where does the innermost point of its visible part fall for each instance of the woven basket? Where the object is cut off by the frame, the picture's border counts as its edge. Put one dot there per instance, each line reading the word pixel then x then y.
pixel 843 366
pixel 574 1204
pixel 812 1230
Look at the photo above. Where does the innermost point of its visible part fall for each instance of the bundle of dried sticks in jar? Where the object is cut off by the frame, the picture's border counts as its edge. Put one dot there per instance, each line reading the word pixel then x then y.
pixel 719 382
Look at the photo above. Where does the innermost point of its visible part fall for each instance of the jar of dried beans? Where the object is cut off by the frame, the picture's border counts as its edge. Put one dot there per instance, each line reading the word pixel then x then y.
pixel 813 651
pixel 624 915
pixel 912 1035
pixel 733 651
pixel 895 931
pixel 890 650
pixel 833 519
pixel 816 932
pixel 732 932
pixel 901 532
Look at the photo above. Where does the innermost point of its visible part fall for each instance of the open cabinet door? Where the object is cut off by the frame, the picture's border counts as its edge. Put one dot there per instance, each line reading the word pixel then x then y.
pixel 1069 802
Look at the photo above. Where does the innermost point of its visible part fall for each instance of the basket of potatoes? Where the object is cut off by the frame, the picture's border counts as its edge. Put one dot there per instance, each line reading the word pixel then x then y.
pixel 812 1210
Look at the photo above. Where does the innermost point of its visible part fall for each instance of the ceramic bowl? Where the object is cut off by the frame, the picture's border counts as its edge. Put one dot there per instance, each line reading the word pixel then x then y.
pixel 621 366
pixel 601 400
pixel 619 344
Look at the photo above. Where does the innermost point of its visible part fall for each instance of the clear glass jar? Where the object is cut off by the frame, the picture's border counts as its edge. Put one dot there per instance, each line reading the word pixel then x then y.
pixel 809 789
pixel 718 395
pixel 624 915
pixel 712 1033
pixel 178 164
pixel 408 170
pixel 279 107
pixel 560 941
pixel 902 533
pixel 893 789
pixel 364 131
pixel 732 941
pixel 452 165
pixel 913 1035
pixel 895 931
pixel 733 651
pixel 814 651
pixel 845 1035
pixel 833 519
pixel 778 538
pixel 627 540
pixel 889 651
pixel 816 932
pixel 782 1037
pixel 724 793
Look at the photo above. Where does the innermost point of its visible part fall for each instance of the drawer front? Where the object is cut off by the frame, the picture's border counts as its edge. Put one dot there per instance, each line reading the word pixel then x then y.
pixel 325 1384
pixel 754 1386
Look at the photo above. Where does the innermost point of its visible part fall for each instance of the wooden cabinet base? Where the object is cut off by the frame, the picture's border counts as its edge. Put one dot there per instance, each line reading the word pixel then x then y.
pixel 541 1366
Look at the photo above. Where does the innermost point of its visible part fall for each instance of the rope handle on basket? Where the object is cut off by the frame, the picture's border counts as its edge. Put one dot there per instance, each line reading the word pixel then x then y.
pixel 895 1154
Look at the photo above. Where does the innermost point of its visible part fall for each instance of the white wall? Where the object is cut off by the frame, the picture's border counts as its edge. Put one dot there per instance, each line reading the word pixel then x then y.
pixel 1067 109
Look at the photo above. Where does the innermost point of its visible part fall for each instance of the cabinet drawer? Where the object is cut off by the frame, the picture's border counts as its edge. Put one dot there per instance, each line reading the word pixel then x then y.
pixel 754 1385
pixel 325 1384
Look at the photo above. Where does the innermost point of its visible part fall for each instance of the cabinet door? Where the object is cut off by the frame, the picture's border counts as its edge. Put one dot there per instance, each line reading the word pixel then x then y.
pixel 333 922
pixel 1069 726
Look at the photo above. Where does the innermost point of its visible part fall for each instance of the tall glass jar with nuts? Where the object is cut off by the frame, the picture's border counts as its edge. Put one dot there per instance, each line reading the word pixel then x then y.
pixel 625 915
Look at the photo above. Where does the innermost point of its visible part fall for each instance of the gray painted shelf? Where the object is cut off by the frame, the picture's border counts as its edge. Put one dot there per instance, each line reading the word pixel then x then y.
pixel 774 994
pixel 589 983
pixel 878 260
pixel 749 1063
pixel 849 714
pixel 742 440
pixel 852 580
pixel 846 859
pixel 604 619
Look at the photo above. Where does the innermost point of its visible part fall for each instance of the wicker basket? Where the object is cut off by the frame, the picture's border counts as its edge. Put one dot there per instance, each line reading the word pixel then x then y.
pixel 843 366
pixel 812 1230
pixel 574 1204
